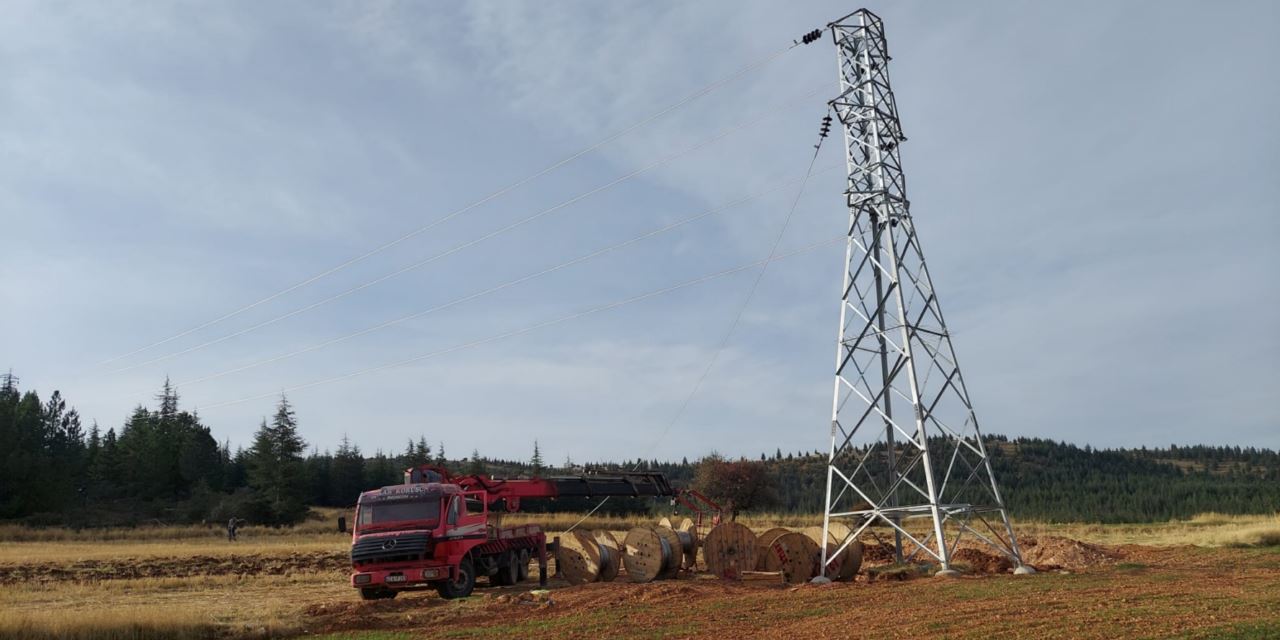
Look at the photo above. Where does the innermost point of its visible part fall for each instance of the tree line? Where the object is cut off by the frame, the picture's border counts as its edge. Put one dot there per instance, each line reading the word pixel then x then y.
pixel 164 465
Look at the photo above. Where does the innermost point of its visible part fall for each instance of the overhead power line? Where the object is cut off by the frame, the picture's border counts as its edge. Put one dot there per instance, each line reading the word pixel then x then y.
pixel 514 225
pixel 737 318
pixel 746 302
pixel 530 328
pixel 496 194
pixel 496 288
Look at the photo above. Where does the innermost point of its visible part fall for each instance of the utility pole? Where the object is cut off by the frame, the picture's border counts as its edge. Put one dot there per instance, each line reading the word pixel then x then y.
pixel 906 452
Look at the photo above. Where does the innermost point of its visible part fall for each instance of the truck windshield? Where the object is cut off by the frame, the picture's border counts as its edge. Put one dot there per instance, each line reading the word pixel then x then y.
pixel 425 510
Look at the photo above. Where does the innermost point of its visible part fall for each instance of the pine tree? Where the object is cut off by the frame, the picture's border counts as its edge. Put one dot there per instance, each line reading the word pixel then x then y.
pixel 168 399
pixel 536 461
pixel 475 466
pixel 380 471
pixel 276 470
pixel 347 473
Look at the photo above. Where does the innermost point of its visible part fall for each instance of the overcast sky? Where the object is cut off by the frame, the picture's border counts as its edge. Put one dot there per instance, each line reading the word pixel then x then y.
pixel 1095 184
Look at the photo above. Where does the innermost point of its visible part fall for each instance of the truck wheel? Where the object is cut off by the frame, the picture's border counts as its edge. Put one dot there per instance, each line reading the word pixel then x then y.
pixel 508 569
pixel 461 586
pixel 376 593
pixel 523 566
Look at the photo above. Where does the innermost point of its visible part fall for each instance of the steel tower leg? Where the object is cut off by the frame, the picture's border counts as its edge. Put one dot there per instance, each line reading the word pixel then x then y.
pixel 928 479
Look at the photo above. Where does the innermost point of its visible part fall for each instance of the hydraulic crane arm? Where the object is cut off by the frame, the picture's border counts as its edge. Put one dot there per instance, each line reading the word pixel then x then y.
pixel 510 491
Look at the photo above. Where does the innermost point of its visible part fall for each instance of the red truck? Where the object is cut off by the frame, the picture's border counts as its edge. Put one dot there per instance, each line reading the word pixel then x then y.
pixel 437 531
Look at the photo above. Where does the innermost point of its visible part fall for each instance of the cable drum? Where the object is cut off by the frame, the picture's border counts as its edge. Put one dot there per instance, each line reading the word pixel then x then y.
pixel 606 562
pixel 578 557
pixel 650 555
pixel 689 531
pixel 845 565
pixel 762 546
pixel 729 550
pixel 795 555
pixel 673 551
pixel 688 546
pixel 610 555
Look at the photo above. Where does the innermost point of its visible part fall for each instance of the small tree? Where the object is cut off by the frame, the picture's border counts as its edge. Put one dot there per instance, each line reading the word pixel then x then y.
pixel 536 461
pixel 740 485
pixel 276 470
pixel 347 473
pixel 475 466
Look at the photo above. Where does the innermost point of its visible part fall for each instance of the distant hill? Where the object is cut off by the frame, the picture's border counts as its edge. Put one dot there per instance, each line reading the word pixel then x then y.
pixel 165 465
pixel 1060 482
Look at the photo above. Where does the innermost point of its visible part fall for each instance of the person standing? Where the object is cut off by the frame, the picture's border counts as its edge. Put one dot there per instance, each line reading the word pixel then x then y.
pixel 232 525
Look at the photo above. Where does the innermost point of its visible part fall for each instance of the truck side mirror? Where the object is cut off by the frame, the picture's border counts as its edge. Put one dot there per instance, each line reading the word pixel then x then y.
pixel 342 524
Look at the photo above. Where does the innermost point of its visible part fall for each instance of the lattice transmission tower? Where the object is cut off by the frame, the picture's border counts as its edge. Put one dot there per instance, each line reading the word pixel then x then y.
pixel 906 456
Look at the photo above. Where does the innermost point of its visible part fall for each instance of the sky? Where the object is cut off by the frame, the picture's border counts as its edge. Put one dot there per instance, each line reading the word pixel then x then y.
pixel 1094 184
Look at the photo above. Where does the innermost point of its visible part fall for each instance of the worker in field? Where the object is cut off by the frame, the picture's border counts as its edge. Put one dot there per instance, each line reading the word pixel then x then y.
pixel 232 525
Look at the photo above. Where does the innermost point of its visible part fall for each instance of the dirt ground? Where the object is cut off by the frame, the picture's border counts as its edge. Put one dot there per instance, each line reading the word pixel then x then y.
pixel 1083 590
pixel 162 567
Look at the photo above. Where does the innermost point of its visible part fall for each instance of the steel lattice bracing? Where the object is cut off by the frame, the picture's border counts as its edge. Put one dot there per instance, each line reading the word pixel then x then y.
pixel 906 454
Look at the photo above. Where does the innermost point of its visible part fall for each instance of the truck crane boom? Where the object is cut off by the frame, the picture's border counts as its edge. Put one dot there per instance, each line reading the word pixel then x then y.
pixel 508 492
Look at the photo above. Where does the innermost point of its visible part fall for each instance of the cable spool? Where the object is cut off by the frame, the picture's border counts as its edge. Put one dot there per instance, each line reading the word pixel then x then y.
pixel 648 555
pixel 671 540
pixel 688 532
pixel 665 522
pixel 762 545
pixel 846 566
pixel 610 555
pixel 729 550
pixel 794 554
pixel 839 531
pixel 578 557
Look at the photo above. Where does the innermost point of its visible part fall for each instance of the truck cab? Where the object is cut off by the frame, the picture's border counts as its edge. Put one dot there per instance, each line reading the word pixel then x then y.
pixel 433 535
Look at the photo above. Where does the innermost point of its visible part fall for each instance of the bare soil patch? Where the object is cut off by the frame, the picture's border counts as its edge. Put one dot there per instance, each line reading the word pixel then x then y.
pixel 161 567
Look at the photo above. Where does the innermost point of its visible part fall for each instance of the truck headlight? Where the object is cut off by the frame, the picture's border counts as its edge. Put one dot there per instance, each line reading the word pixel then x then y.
pixel 428 574
pixel 363 578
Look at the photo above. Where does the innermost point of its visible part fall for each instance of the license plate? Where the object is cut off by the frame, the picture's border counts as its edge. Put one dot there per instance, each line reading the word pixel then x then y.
pixel 395 578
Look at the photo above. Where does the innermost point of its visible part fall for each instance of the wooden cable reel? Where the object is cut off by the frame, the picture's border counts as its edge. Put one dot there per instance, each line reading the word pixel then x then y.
pixel 578 557
pixel 649 554
pixel 762 545
pixel 676 551
pixel 795 555
pixel 730 549
pixel 688 532
pixel 610 555
pixel 846 565
pixel 587 556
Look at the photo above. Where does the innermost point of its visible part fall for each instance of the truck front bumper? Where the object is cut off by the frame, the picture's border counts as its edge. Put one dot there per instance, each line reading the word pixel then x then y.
pixel 400 577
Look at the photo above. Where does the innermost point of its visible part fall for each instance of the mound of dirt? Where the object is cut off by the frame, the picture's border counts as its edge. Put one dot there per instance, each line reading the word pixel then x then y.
pixel 1051 553
pixel 877 553
pixel 175 567
pixel 982 562
pixel 1046 553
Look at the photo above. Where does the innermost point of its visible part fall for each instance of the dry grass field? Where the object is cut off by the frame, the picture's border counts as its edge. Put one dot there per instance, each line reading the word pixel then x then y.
pixel 1212 576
